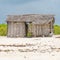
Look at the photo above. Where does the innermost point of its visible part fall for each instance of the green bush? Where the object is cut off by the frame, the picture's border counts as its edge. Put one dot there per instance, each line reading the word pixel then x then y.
pixel 29 34
pixel 56 29
pixel 3 29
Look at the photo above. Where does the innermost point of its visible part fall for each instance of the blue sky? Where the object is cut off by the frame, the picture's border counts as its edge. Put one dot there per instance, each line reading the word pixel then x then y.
pixel 11 7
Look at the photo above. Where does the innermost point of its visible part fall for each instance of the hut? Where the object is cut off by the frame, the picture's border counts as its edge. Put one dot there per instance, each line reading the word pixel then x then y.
pixel 36 25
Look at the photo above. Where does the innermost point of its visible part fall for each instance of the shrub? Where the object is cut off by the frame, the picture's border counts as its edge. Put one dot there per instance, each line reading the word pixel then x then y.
pixel 56 29
pixel 3 29
pixel 29 34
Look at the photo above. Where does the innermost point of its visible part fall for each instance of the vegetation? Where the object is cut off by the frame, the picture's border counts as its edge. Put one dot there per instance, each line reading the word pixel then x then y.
pixel 56 29
pixel 3 30
pixel 29 34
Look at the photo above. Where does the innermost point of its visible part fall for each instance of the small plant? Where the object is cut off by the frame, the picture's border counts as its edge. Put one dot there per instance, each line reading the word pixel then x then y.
pixel 3 29
pixel 57 30
pixel 29 34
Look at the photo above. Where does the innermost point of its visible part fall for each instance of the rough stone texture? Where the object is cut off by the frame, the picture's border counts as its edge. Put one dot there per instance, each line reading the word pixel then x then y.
pixel 38 25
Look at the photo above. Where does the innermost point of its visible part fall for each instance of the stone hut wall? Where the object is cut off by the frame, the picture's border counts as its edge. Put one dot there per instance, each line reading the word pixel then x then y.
pixel 16 29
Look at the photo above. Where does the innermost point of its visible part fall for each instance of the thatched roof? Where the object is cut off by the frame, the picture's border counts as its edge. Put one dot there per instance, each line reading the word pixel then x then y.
pixel 35 18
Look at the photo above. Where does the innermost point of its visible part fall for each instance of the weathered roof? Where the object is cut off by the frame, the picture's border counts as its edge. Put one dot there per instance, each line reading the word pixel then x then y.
pixel 36 18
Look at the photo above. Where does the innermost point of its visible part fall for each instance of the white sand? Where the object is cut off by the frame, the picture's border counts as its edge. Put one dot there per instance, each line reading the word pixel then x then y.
pixel 30 48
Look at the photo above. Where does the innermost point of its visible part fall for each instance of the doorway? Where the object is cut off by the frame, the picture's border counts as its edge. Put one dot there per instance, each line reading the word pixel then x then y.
pixel 28 28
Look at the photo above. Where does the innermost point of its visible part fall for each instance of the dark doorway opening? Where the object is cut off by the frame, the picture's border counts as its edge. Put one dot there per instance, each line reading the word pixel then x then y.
pixel 26 28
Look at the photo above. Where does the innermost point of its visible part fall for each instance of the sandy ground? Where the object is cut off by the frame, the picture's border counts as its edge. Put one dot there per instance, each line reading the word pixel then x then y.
pixel 47 48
